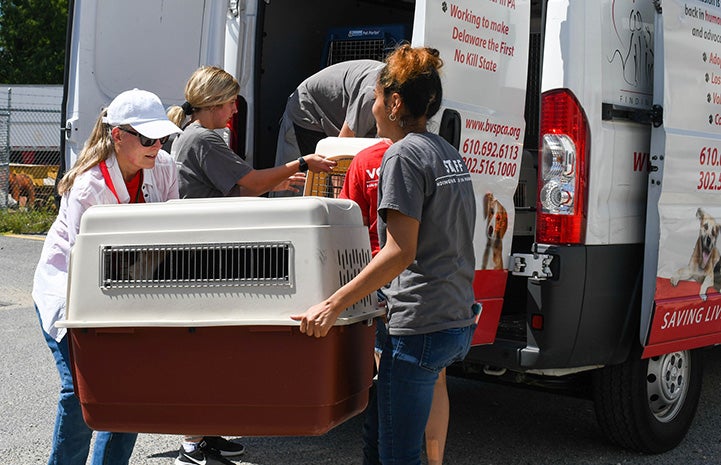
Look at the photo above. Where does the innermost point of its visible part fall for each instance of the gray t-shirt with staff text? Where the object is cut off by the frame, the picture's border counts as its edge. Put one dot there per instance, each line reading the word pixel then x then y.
pixel 424 177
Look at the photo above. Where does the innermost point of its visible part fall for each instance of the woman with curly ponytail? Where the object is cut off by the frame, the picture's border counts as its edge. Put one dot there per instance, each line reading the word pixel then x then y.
pixel 426 219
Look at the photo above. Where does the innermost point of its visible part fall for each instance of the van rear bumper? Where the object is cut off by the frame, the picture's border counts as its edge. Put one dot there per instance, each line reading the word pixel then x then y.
pixel 590 311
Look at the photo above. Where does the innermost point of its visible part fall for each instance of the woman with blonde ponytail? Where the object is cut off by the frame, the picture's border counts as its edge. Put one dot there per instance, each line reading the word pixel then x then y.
pixel 207 166
pixel 97 148
pixel 120 163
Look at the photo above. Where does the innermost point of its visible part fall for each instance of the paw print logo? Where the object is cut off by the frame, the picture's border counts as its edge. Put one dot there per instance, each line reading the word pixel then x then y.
pixel 444 7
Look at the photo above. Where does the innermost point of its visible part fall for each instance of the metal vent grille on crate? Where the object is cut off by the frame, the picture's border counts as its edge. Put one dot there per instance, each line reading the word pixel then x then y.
pixel 328 184
pixel 177 265
pixel 342 150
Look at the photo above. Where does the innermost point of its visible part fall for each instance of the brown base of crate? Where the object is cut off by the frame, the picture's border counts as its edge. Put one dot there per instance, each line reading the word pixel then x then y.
pixel 239 380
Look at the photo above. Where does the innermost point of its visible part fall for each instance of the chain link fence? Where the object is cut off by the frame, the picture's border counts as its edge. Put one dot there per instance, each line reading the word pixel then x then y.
pixel 30 122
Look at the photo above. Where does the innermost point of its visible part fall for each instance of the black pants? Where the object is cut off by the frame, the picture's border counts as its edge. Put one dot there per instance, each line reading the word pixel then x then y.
pixel 307 139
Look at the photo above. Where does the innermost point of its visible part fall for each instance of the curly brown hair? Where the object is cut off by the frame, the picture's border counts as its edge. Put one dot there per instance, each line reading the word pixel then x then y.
pixel 412 72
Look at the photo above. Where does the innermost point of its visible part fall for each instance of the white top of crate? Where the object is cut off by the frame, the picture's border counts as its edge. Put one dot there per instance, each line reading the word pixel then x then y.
pixel 262 260
pixel 226 212
pixel 330 146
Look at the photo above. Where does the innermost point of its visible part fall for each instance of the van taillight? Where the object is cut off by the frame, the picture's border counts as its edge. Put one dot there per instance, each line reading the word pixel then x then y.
pixel 562 176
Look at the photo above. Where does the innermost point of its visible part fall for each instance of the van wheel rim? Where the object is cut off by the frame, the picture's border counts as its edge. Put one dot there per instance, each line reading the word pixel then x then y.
pixel 667 384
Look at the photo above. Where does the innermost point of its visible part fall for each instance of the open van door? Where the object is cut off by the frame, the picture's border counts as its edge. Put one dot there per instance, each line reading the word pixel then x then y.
pixel 153 45
pixel 485 55
pixel 682 275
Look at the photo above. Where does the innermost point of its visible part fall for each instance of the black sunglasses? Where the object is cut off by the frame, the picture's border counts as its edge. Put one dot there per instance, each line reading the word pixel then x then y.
pixel 145 141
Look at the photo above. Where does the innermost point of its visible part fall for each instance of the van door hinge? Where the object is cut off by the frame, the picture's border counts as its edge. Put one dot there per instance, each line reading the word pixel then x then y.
pixel 532 265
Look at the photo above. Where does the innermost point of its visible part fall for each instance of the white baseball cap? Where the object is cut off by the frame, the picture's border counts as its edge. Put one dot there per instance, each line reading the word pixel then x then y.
pixel 143 111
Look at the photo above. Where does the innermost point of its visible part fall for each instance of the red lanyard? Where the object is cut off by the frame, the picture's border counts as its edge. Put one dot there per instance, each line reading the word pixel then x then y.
pixel 111 186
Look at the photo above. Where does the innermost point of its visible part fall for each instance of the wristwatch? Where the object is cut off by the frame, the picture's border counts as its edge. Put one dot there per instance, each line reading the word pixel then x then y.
pixel 302 165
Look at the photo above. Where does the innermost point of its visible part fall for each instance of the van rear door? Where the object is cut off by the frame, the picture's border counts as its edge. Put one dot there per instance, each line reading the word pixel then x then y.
pixel 485 55
pixel 682 271
pixel 149 44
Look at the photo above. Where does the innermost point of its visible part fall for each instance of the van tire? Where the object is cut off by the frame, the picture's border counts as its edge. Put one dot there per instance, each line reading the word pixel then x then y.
pixel 639 405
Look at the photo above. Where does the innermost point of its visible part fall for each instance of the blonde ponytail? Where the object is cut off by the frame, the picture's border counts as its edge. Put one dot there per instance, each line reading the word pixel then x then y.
pixel 97 148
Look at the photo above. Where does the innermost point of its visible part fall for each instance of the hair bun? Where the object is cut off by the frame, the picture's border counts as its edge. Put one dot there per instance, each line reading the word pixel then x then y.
pixel 187 108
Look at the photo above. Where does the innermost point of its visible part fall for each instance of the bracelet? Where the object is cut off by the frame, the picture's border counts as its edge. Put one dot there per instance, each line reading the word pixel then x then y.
pixel 302 165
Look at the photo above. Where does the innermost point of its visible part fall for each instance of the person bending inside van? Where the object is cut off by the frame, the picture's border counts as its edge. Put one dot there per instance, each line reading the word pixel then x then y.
pixel 334 102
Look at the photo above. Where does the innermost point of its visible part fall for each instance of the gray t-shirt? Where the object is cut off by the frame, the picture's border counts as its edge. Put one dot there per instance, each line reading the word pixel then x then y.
pixel 424 177
pixel 207 167
pixel 342 92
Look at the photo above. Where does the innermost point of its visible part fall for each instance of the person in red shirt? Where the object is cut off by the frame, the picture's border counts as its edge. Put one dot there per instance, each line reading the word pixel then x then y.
pixel 361 186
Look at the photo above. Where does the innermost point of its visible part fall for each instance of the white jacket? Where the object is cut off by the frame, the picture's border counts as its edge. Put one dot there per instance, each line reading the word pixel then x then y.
pixel 51 275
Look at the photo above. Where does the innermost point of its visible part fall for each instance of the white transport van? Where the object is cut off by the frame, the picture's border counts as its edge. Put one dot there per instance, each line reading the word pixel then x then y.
pixel 592 130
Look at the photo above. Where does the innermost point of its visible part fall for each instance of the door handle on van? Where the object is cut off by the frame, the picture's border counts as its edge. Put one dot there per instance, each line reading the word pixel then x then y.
pixel 68 129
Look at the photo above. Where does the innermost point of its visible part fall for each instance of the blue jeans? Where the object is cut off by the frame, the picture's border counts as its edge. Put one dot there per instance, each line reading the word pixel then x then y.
pixel 394 427
pixel 71 439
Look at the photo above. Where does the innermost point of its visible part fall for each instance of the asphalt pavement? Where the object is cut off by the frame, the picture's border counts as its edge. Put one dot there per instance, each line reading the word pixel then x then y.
pixel 490 424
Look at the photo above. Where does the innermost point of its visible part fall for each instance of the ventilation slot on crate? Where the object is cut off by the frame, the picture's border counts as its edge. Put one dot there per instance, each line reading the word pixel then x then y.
pixel 328 184
pixel 202 265
pixel 350 263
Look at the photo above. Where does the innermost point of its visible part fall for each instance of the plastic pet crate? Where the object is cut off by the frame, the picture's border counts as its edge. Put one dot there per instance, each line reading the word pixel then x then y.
pixel 179 316
pixel 363 42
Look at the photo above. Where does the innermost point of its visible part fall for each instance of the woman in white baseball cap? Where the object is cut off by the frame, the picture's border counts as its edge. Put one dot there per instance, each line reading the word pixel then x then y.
pixel 121 162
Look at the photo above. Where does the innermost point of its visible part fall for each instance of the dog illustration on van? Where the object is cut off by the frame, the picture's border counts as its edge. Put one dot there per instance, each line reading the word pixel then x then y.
pixel 705 256
pixel 496 225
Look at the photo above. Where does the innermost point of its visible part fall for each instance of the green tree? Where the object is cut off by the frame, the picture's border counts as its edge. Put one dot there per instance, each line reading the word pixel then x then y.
pixel 32 41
